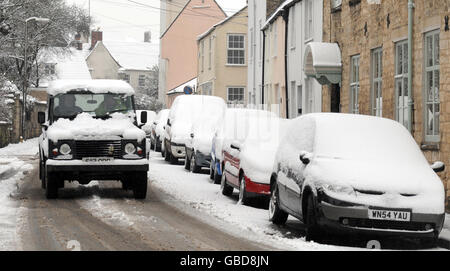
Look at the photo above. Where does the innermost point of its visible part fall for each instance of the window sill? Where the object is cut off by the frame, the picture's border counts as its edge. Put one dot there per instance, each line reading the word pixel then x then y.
pixel 430 146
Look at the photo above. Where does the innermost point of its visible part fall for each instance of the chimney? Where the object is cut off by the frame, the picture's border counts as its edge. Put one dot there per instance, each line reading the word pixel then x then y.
pixel 78 43
pixel 96 36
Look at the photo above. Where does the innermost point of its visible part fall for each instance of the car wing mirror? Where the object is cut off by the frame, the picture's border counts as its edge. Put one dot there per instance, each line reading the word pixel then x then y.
pixel 144 117
pixel 192 135
pixel 438 166
pixel 305 157
pixel 236 146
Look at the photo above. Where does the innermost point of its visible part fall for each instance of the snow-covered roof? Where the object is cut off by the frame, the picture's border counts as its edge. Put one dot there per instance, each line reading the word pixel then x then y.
pixel 180 89
pixel 220 23
pixel 277 13
pixel 70 64
pixel 133 55
pixel 94 86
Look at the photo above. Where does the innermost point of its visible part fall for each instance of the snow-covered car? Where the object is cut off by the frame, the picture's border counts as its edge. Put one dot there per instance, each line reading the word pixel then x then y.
pixel 198 147
pixel 185 109
pixel 90 132
pixel 157 134
pixel 355 174
pixel 248 157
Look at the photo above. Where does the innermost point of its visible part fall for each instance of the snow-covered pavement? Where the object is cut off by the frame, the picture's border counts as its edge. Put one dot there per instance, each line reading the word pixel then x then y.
pixel 14 165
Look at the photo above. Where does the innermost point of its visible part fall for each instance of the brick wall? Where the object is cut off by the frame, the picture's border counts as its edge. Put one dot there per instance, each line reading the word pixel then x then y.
pixel 360 28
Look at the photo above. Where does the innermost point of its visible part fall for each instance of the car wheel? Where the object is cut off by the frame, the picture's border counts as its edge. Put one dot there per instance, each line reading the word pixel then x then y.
pixel 211 170
pixel 243 196
pixel 227 190
pixel 51 186
pixel 194 168
pixel 187 162
pixel 312 228
pixel 140 186
pixel 166 155
pixel 276 215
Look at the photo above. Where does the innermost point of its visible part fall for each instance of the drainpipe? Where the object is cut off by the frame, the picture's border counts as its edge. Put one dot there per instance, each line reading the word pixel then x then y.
pixel 286 83
pixel 263 66
pixel 410 66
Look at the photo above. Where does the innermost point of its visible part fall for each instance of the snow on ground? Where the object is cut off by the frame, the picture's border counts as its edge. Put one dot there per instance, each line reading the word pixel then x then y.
pixel 13 168
pixel 196 191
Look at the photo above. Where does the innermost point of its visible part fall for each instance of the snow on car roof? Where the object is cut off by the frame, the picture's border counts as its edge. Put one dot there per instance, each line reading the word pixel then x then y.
pixel 95 86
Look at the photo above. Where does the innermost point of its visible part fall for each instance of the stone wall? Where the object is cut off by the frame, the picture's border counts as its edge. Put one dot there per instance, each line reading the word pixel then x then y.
pixel 360 28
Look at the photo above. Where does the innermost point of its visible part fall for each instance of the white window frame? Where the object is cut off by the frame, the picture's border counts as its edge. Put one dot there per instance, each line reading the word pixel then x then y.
pixel 434 102
pixel 293 31
pixel 401 83
pixel 202 55
pixel 210 53
pixel 229 49
pixel 233 101
pixel 354 84
pixel 377 81
pixel 126 77
pixel 141 80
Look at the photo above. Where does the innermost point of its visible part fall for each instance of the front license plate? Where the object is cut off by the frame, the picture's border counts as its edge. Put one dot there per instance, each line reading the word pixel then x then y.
pixel 98 159
pixel 390 215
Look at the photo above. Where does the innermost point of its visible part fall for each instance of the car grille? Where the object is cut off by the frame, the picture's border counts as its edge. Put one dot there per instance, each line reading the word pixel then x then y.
pixel 98 149
pixel 387 225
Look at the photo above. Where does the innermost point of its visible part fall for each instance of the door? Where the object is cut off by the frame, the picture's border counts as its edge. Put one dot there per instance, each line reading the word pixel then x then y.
pixel 335 98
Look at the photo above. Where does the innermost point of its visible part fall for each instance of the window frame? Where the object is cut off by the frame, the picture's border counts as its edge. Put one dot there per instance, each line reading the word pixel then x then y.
pixel 435 136
pixel 232 102
pixel 376 78
pixel 309 22
pixel 401 78
pixel 354 85
pixel 236 49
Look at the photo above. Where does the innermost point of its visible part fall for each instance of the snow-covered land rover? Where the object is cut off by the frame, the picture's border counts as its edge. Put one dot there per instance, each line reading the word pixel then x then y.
pixel 89 132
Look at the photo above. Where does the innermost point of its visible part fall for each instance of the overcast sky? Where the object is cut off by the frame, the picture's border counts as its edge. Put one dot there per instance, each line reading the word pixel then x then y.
pixel 126 21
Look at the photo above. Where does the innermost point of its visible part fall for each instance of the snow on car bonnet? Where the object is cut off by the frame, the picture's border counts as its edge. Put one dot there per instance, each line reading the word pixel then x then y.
pixel 84 126
pixel 94 86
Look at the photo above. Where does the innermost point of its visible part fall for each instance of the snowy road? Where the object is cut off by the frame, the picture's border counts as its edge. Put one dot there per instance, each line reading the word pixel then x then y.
pixel 104 217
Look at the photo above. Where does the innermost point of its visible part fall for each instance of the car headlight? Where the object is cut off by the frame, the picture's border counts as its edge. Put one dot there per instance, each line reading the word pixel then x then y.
pixel 339 189
pixel 65 149
pixel 130 148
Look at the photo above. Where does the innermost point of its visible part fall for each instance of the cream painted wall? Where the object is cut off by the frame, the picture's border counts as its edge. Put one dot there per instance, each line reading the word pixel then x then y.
pixel 101 64
pixel 221 74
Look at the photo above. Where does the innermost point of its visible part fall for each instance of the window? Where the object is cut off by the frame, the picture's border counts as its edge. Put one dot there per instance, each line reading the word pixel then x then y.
pixel 432 81
pixel 308 19
pixel 235 95
pixel 202 54
pixel 377 82
pixel 293 27
pixel 293 100
pixel 210 53
pixel 236 49
pixel 401 83
pixel 126 77
pixel 354 84
pixel 274 38
pixel 49 69
pixel 141 80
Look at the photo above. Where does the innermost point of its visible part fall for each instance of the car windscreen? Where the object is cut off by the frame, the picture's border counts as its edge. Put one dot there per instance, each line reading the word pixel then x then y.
pixel 97 105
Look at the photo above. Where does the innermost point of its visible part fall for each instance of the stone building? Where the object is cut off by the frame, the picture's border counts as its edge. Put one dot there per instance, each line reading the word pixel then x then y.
pixel 373 41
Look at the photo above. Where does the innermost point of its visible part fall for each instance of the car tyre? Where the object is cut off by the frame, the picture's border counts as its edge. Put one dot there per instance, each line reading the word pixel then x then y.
pixel 227 190
pixel 140 185
pixel 51 186
pixel 243 195
pixel 313 232
pixel 276 215
pixel 193 165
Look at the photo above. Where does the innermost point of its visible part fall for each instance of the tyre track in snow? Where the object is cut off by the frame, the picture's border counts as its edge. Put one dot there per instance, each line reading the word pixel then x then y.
pixel 104 217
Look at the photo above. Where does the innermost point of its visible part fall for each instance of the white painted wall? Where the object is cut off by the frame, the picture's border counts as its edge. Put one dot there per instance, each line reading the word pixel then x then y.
pixel 311 98
pixel 256 19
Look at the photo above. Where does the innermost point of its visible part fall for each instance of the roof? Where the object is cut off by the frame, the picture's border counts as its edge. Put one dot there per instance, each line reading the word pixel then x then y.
pixel 70 64
pixel 95 86
pixel 180 89
pixel 185 6
pixel 140 56
pixel 278 12
pixel 220 23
